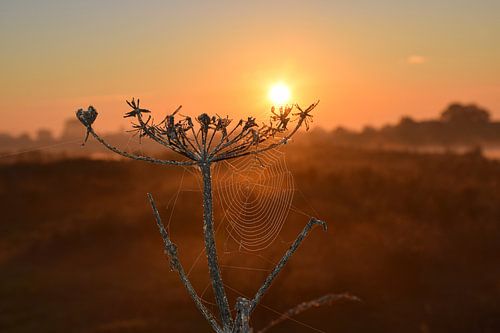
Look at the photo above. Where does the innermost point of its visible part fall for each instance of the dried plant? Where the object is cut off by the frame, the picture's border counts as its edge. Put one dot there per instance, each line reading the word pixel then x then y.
pixel 202 142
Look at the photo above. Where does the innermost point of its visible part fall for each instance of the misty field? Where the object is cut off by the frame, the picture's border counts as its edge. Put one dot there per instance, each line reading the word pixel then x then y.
pixel 415 236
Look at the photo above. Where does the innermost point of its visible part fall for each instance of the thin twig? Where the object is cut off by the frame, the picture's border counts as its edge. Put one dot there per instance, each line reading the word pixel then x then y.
pixel 262 290
pixel 324 300
pixel 136 157
pixel 171 251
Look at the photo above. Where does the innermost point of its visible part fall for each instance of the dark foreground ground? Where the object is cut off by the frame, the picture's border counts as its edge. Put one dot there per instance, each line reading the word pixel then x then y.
pixel 417 237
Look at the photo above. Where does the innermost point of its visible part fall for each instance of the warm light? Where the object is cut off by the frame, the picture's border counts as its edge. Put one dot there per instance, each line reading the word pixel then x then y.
pixel 279 94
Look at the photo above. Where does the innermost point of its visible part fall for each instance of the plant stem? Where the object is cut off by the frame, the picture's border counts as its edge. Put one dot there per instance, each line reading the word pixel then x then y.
pixel 242 323
pixel 210 248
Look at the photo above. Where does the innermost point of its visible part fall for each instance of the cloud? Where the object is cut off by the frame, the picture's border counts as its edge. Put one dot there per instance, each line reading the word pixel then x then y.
pixel 416 59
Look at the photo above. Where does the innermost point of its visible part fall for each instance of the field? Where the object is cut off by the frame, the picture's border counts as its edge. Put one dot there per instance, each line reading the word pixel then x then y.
pixel 415 236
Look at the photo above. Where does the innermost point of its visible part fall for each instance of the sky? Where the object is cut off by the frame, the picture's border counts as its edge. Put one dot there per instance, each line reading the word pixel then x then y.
pixel 369 62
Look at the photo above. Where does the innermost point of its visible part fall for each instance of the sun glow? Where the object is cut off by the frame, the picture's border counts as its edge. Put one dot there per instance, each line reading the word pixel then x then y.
pixel 279 94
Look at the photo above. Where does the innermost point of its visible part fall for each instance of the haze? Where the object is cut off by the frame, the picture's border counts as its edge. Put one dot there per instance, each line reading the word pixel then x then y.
pixel 368 61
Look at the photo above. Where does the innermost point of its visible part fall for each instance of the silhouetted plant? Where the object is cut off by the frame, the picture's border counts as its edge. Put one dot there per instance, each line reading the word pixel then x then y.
pixel 202 142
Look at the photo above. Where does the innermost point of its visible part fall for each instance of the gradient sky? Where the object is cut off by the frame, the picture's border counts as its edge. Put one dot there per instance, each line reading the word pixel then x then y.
pixel 368 61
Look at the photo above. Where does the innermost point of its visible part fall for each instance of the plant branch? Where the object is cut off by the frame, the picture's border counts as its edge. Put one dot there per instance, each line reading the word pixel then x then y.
pixel 269 280
pixel 175 264
pixel 136 157
pixel 324 300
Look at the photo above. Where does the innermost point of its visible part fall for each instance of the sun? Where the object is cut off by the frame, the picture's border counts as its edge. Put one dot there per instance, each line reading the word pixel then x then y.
pixel 279 94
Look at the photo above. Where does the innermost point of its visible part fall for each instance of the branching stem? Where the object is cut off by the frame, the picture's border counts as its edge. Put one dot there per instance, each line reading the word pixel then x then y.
pixel 181 137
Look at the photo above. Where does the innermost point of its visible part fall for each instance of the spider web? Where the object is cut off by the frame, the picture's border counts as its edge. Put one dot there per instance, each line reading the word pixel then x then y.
pixel 255 194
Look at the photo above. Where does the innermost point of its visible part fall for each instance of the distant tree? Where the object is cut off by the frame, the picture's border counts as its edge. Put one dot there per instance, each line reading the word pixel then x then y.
pixel 44 136
pixel 369 130
pixel 340 130
pixel 465 114
pixel 72 130
pixel 24 139
pixel 407 121
pixel 407 131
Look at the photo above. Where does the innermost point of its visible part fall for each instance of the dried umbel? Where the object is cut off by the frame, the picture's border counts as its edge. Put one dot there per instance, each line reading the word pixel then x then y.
pixel 210 138
pixel 201 142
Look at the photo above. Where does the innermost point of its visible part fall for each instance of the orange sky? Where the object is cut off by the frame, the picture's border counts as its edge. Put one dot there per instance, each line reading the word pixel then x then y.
pixel 368 61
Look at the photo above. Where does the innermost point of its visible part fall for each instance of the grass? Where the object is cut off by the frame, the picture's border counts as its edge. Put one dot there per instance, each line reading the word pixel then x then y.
pixel 415 236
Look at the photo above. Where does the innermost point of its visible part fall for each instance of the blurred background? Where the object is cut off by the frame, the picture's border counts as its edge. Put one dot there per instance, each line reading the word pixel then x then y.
pixel 402 161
